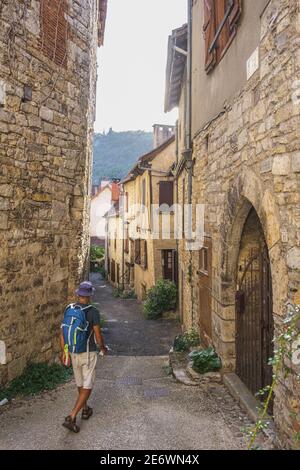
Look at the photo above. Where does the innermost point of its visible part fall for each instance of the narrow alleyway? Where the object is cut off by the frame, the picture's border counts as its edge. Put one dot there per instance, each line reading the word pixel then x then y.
pixel 136 404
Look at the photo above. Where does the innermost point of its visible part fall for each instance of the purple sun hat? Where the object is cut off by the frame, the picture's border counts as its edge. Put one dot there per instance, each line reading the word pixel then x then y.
pixel 86 289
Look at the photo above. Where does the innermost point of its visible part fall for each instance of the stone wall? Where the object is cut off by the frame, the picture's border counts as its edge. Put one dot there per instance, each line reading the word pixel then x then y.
pixel 249 157
pixel 47 107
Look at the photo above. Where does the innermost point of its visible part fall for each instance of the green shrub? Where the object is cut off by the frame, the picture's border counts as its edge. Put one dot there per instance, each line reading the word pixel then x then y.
pixel 96 253
pixel 124 294
pixel 36 378
pixel 205 361
pixel 102 271
pixel 117 292
pixel 186 341
pixel 128 294
pixel 160 298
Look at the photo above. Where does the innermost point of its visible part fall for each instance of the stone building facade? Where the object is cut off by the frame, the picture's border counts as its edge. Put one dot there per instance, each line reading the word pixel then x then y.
pixel 245 129
pixel 48 72
pixel 140 252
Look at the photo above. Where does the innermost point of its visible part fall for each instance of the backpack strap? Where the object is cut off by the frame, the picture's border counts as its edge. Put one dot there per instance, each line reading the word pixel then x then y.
pixel 90 335
pixel 68 306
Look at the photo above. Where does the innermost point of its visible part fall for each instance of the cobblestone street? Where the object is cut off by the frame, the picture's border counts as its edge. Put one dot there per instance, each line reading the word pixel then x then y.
pixel 136 404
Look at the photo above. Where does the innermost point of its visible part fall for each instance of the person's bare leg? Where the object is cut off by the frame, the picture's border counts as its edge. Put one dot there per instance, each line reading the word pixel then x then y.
pixel 84 395
pixel 85 406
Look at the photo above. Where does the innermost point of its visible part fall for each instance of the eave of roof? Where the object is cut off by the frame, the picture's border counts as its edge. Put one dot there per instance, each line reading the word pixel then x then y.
pixel 176 63
pixel 148 157
pixel 101 191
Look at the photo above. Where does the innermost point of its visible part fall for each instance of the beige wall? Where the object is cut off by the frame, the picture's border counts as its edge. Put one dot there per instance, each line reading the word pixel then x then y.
pixel 100 204
pixel 114 245
pixel 144 279
pixel 211 91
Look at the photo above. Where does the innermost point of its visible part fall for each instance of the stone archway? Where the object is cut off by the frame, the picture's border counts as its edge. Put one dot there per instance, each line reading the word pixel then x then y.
pixel 254 307
pixel 248 192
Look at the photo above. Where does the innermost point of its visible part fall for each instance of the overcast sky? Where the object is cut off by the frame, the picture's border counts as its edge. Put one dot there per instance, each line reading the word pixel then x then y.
pixel 132 63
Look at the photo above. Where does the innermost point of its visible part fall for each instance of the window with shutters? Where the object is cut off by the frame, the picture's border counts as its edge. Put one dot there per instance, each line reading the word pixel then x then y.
pixel 118 273
pixel 221 19
pixel 132 251
pixel 166 193
pixel 144 254
pixel 203 260
pixel 137 251
pixel 54 30
pixel 204 291
pixel 143 201
pixel 126 241
pixel 113 271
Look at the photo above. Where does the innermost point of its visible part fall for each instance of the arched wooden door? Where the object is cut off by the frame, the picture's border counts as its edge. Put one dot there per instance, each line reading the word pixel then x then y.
pixel 254 309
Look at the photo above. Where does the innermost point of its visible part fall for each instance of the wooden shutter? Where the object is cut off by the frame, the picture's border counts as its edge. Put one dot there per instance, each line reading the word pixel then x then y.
pixel 145 255
pixel 137 249
pixel 144 192
pixel 205 298
pixel 175 268
pixel 166 193
pixel 113 271
pixel 132 252
pixel 54 30
pixel 223 39
pixel 126 241
pixel 214 15
pixel 235 14
pixel 209 31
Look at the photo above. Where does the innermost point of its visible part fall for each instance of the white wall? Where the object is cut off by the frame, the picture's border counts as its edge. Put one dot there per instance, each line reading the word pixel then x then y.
pixel 99 206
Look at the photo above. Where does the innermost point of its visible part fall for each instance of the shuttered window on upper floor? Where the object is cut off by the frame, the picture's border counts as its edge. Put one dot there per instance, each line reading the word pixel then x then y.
pixel 221 19
pixel 126 241
pixel 166 193
pixel 144 254
pixel 143 192
pixel 137 251
pixel 54 30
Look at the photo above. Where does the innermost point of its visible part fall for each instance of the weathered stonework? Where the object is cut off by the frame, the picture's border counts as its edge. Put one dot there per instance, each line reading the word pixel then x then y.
pixel 249 157
pixel 47 108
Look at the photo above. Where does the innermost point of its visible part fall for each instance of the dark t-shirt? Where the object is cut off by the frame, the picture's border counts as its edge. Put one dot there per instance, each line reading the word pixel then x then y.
pixel 93 317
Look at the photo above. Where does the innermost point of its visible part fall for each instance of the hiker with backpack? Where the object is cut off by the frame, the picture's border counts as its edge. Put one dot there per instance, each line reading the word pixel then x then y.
pixel 79 337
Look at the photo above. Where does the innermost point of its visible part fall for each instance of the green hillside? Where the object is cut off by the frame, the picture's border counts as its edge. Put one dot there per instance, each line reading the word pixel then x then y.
pixel 116 152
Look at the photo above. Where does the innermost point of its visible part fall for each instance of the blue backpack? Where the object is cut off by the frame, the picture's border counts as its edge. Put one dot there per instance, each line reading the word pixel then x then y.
pixel 75 329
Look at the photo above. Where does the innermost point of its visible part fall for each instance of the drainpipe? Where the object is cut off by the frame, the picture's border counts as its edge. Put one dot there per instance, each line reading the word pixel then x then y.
pixel 176 201
pixel 122 200
pixel 188 146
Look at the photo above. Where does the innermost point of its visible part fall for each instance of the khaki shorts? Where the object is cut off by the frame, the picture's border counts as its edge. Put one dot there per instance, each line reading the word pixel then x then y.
pixel 84 372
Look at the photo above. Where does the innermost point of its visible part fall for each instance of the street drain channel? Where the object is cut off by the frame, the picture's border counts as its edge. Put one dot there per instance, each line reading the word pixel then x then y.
pixel 129 381
pixel 152 393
